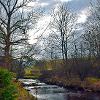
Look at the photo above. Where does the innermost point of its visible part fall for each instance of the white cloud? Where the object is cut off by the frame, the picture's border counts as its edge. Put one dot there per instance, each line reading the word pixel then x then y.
pixel 37 4
pixel 82 18
pixel 44 4
pixel 65 0
pixel 83 15
pixel 34 4
pixel 41 29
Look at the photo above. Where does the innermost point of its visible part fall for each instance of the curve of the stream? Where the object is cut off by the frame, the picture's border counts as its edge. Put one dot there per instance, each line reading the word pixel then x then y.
pixel 44 91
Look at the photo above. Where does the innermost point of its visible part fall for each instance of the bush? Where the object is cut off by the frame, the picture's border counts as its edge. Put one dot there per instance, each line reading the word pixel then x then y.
pixel 7 88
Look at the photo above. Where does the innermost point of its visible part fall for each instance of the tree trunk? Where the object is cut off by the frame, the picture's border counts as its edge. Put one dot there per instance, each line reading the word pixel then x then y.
pixel 7 55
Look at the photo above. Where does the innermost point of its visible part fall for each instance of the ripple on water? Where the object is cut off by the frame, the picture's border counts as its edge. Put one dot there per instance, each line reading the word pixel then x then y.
pixel 43 91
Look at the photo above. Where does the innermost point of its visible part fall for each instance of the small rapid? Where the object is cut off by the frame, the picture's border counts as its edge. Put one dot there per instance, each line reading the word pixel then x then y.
pixel 43 91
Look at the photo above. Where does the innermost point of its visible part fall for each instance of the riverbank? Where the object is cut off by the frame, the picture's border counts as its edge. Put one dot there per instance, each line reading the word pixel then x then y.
pixel 90 84
pixel 22 93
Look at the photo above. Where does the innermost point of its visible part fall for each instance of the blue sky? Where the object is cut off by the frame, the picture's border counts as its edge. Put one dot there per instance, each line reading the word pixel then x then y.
pixel 81 7
pixel 75 5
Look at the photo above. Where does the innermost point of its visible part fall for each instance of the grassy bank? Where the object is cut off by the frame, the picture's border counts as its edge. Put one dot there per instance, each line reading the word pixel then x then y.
pixel 22 93
pixel 10 89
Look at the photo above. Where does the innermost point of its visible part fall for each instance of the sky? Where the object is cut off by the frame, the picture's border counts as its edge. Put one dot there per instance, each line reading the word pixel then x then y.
pixel 81 7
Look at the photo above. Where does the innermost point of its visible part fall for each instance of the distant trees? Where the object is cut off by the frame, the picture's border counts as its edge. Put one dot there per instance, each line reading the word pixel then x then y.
pixel 52 46
pixel 91 38
pixel 92 31
pixel 86 52
pixel 64 23
pixel 15 21
pixel 80 49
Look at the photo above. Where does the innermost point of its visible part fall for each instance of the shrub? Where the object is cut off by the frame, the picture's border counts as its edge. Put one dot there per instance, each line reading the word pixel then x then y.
pixel 7 88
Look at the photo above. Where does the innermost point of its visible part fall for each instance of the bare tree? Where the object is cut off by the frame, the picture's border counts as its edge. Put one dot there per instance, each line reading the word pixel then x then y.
pixel 64 23
pixel 52 46
pixel 15 21
pixel 92 31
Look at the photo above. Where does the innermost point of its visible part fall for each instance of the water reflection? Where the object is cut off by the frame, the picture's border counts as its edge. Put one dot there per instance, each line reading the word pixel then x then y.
pixel 85 96
pixel 43 91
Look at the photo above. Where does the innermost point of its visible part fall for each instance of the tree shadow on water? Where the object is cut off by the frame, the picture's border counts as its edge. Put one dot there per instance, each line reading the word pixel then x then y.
pixel 83 97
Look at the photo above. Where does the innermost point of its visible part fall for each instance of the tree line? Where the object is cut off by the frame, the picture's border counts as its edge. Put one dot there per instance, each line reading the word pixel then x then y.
pixel 78 49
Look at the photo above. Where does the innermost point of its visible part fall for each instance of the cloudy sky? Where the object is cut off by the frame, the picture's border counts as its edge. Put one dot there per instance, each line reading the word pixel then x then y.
pixel 80 7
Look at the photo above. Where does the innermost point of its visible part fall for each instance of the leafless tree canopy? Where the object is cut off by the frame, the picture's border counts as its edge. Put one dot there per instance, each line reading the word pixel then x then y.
pixel 16 18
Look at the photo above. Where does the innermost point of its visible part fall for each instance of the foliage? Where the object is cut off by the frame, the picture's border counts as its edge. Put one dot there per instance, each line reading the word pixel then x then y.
pixel 33 72
pixel 7 88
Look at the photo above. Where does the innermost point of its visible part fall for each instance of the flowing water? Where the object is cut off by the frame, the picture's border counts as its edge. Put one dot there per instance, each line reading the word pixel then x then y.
pixel 43 91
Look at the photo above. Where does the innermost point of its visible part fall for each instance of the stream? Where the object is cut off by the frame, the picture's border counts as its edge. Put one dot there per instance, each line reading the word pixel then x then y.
pixel 44 91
